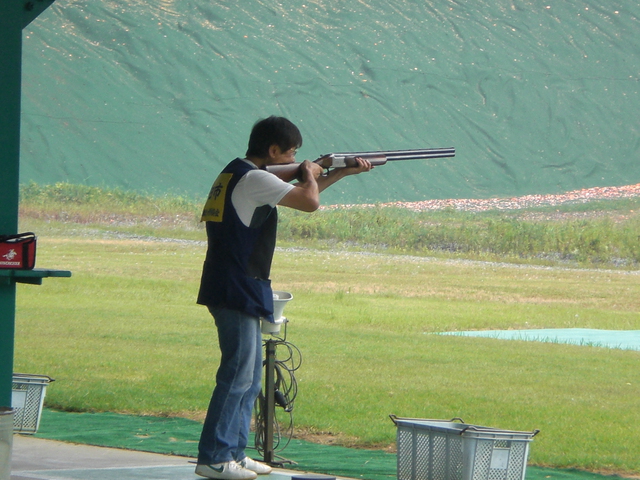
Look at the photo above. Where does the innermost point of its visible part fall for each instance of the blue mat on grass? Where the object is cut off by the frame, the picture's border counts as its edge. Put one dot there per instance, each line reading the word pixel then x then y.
pixel 622 339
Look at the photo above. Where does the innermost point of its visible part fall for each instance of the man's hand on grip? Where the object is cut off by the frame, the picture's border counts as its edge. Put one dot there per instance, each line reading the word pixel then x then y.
pixel 310 170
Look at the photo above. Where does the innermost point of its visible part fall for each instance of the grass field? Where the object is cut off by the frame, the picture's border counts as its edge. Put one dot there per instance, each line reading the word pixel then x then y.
pixel 124 334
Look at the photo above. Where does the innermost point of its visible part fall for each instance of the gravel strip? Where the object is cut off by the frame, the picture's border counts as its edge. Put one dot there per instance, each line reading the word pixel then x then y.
pixel 514 203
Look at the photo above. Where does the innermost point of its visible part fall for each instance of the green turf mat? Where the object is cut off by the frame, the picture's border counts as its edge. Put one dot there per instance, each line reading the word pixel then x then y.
pixel 173 436
pixel 179 436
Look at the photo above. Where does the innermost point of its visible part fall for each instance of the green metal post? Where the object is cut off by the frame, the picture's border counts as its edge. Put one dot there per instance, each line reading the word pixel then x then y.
pixel 10 79
pixel 14 16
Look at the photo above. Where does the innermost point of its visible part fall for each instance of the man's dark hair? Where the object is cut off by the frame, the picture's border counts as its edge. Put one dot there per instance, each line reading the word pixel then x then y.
pixel 273 131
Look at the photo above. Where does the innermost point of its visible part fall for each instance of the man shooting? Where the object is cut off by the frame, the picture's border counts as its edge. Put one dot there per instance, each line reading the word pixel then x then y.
pixel 241 223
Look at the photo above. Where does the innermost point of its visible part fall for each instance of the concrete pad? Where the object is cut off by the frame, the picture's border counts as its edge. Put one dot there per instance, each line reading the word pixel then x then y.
pixel 35 458
pixel 39 459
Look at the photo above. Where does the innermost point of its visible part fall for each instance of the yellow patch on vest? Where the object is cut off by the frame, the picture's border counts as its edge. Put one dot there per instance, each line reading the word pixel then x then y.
pixel 214 208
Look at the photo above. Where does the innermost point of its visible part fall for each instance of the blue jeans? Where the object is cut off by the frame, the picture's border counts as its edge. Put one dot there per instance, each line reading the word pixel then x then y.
pixel 225 433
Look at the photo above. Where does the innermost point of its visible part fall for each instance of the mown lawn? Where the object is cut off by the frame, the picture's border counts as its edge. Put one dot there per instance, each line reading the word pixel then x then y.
pixel 124 334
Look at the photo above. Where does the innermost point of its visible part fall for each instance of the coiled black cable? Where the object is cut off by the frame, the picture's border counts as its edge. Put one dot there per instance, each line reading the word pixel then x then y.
pixel 288 359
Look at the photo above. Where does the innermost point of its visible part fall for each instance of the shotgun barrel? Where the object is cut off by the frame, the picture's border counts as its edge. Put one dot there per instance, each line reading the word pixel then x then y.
pixel 347 159
pixel 404 154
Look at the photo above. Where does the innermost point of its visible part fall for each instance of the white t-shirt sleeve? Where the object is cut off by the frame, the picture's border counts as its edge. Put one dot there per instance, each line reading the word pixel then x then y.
pixel 255 189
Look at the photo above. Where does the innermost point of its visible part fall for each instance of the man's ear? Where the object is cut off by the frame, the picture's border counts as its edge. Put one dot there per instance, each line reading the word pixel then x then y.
pixel 274 150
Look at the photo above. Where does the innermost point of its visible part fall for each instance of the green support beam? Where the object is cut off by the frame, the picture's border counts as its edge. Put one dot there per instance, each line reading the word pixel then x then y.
pixel 14 16
pixel 11 20
pixel 32 8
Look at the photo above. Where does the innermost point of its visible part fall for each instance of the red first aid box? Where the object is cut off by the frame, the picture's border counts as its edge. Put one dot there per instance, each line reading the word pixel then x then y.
pixel 18 251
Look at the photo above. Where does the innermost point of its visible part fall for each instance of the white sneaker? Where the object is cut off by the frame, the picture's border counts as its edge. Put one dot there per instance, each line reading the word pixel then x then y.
pixel 259 468
pixel 225 471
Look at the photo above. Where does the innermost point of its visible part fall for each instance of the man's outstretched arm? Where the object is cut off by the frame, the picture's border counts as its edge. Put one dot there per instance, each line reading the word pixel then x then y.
pixel 305 195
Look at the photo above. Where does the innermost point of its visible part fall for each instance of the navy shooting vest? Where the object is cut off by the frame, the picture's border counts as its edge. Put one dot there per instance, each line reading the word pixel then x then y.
pixel 238 261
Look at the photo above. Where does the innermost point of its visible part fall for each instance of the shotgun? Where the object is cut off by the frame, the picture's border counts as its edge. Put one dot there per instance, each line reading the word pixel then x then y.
pixel 290 171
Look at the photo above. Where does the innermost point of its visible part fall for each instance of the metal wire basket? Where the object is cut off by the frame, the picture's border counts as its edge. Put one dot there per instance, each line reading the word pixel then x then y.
pixel 454 450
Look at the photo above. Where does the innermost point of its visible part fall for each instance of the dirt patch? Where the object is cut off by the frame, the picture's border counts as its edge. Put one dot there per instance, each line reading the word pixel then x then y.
pixel 338 439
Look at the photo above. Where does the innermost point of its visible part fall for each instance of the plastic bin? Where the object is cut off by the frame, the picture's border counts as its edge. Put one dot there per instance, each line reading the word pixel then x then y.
pixel 448 450
pixel 27 398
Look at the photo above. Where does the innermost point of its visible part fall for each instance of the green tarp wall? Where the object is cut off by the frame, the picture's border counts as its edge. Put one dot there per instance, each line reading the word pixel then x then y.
pixel 537 97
